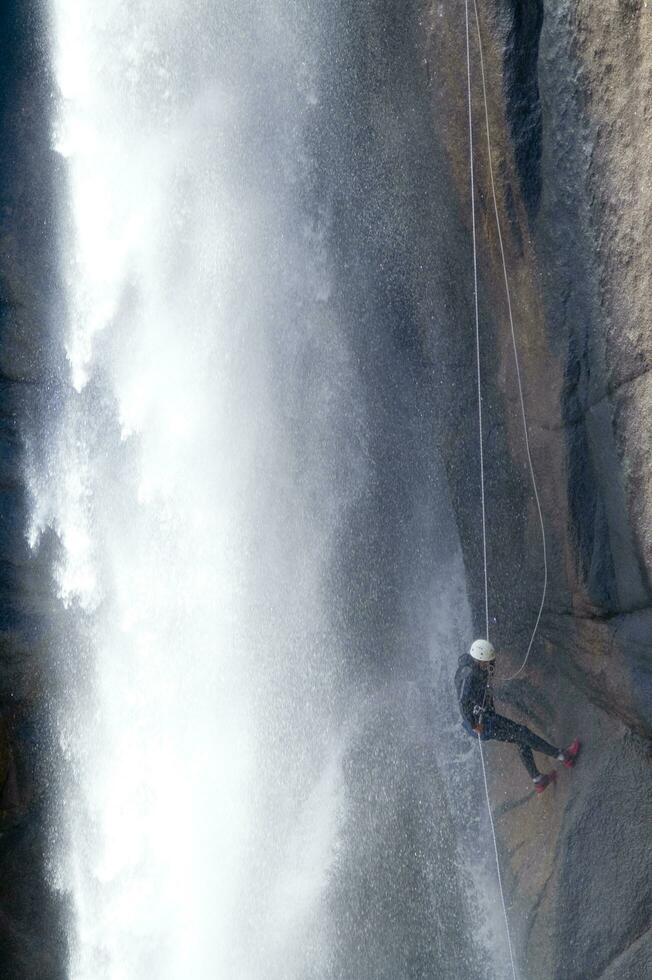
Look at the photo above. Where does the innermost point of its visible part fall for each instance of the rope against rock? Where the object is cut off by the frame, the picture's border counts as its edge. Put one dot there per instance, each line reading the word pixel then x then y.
pixel 477 328
pixel 479 381
pixel 500 880
pixel 514 347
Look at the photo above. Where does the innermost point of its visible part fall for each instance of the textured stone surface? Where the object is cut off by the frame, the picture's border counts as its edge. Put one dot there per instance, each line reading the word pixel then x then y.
pixel 31 916
pixel 569 89
pixel 569 107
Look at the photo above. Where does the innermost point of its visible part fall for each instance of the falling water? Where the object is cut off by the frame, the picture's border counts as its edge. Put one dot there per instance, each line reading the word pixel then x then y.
pixel 248 785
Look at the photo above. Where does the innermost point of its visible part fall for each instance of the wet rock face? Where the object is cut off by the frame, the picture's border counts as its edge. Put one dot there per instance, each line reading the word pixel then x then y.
pixel 32 942
pixel 569 104
pixel 520 24
pixel 595 205
pixel 570 110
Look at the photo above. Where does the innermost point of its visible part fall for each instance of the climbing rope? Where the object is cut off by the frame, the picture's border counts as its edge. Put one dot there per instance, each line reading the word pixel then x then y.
pixel 477 328
pixel 500 880
pixel 514 347
pixel 480 431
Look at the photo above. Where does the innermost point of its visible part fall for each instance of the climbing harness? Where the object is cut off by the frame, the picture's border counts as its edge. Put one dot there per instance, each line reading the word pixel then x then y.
pixel 480 426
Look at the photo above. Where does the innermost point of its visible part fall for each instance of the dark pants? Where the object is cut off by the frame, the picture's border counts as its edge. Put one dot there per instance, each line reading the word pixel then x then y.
pixel 505 730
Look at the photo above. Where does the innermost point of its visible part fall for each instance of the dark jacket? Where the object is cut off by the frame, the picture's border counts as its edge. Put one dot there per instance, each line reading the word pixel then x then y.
pixel 471 682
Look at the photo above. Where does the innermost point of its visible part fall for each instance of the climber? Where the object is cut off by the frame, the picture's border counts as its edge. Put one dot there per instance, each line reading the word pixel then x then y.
pixel 473 683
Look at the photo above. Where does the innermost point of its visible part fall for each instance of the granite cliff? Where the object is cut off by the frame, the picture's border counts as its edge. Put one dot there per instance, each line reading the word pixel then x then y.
pixel 569 101
pixel 31 916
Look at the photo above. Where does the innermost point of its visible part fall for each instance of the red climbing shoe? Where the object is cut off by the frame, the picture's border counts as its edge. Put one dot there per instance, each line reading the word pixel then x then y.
pixel 570 754
pixel 544 781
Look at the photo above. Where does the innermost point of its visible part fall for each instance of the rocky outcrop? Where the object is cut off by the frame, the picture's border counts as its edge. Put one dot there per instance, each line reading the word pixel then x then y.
pixel 569 108
pixel 31 914
pixel 569 103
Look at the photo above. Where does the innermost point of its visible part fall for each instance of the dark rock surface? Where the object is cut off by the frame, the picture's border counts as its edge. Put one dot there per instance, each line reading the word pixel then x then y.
pixel 31 914
pixel 569 87
pixel 569 105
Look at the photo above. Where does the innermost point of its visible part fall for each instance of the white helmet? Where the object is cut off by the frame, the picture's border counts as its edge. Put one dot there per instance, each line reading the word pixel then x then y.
pixel 482 650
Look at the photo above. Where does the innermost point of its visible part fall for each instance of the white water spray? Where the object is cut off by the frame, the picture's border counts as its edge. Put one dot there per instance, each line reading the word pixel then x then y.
pixel 202 789
pixel 242 502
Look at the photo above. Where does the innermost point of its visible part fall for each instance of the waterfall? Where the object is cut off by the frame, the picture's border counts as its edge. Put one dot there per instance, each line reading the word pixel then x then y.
pixel 247 783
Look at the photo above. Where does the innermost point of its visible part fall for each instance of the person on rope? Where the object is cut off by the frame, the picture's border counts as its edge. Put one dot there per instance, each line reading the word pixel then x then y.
pixel 479 717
